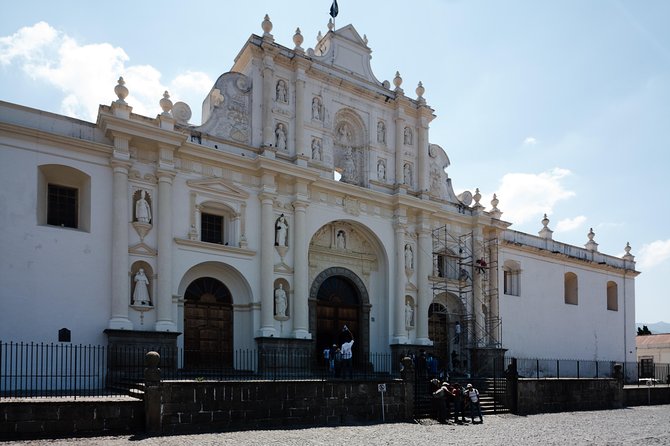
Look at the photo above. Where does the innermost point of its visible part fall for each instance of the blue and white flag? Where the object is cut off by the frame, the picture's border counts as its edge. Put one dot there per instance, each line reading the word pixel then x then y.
pixel 334 9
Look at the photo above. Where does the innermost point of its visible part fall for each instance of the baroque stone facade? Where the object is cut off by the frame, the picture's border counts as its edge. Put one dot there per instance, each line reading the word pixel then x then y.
pixel 307 175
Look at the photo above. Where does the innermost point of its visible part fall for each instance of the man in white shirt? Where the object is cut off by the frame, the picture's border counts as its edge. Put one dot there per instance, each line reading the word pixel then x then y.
pixel 346 353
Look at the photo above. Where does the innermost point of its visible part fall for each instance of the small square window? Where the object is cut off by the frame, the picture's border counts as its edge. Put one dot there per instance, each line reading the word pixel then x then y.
pixel 211 228
pixel 62 206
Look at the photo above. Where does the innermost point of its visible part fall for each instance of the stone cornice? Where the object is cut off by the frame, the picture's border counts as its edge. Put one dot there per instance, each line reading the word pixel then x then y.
pixel 136 129
pixel 76 144
pixel 215 248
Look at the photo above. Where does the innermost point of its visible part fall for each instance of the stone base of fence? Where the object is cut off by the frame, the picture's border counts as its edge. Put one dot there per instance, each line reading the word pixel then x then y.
pixel 51 418
pixel 567 394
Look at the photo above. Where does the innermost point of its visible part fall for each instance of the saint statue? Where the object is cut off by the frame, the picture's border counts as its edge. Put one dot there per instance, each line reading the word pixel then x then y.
pixel 409 257
pixel 316 109
pixel 381 170
pixel 281 91
pixel 281 231
pixel 408 136
pixel 280 137
pixel 280 301
pixel 381 132
pixel 348 167
pixel 409 315
pixel 142 209
pixel 341 241
pixel 316 150
pixel 407 173
pixel 141 293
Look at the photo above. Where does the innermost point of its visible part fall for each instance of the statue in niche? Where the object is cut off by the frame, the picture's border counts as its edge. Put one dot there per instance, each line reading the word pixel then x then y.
pixel 280 137
pixel 381 170
pixel 407 174
pixel 282 92
pixel 142 209
pixel 280 301
pixel 348 167
pixel 408 136
pixel 281 231
pixel 344 134
pixel 341 240
pixel 316 109
pixel 381 132
pixel 409 257
pixel 409 315
pixel 317 154
pixel 141 293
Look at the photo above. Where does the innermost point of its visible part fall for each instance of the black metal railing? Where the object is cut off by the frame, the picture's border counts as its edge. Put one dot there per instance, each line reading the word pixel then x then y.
pixel 33 370
pixel 632 372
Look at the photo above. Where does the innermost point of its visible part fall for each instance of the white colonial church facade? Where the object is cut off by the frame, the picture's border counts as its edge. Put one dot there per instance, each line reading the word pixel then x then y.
pixel 309 198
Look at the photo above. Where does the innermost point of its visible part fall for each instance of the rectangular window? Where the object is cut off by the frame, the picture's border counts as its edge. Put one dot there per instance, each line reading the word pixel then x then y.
pixel 211 228
pixel 62 206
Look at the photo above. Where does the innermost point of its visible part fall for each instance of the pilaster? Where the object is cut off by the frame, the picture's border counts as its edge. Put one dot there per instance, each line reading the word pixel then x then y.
pixel 267 328
pixel 164 320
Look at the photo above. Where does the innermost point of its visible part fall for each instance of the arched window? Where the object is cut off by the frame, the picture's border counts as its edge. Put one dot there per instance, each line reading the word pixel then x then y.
pixel 612 296
pixel 512 278
pixel 570 288
pixel 63 197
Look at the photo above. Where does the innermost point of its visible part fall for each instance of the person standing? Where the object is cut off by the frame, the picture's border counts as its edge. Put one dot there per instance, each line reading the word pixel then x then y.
pixel 475 407
pixel 347 354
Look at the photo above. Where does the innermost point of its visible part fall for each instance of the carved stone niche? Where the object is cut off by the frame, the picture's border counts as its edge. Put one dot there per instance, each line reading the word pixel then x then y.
pixel 350 148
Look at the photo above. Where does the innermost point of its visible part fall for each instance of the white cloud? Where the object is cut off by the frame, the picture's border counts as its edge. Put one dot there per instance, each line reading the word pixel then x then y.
pixel 527 196
pixel 653 254
pixel 570 224
pixel 87 74
pixel 529 141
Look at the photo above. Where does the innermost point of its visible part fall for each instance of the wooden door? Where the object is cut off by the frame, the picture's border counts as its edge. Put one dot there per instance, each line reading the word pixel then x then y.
pixel 208 325
pixel 338 304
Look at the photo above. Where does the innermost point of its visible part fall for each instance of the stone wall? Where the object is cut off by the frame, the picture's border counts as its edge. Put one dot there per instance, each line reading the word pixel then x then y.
pixel 206 406
pixel 66 418
pixel 565 395
pixel 643 395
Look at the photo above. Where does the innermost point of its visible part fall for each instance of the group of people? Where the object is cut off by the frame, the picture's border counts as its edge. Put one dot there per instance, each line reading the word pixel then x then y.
pixel 456 398
pixel 339 358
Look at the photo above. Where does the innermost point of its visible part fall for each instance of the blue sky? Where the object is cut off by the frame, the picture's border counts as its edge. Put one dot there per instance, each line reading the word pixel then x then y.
pixel 559 107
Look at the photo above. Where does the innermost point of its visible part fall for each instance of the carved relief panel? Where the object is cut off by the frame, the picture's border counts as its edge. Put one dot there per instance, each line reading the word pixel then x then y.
pixel 227 108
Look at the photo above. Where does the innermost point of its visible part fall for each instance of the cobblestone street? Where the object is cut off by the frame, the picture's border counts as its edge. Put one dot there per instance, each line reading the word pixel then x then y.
pixel 631 426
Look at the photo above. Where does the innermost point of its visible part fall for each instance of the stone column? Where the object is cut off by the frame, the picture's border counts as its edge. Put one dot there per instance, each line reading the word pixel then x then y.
pixel 300 114
pixel 424 259
pixel 268 98
pixel 267 266
pixel 300 309
pixel 422 171
pixel 164 321
pixel 399 329
pixel 477 284
pixel 120 219
pixel 399 143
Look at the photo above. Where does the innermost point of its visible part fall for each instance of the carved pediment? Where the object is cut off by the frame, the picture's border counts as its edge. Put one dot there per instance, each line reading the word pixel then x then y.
pixel 218 187
pixel 142 249
pixel 345 49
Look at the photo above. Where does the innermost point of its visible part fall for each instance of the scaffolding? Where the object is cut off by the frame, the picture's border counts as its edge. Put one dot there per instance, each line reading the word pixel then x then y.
pixel 467 269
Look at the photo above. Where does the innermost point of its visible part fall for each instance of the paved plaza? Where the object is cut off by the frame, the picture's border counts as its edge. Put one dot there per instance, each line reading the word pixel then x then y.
pixel 631 426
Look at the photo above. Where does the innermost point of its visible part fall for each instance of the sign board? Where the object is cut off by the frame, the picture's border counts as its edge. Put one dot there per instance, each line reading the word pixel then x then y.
pixel 381 387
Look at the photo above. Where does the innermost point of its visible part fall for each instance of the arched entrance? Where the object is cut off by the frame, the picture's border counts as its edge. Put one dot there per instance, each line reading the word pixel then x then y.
pixel 446 331
pixel 338 297
pixel 338 304
pixel 208 324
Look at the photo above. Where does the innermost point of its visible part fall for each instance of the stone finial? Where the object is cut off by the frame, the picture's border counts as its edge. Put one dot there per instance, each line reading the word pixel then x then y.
pixel 298 39
pixel 319 36
pixel 397 81
pixel 121 90
pixel 267 26
pixel 495 212
pixel 628 256
pixel 166 103
pixel 591 245
pixel 331 25
pixel 477 196
pixel 545 232
pixel 420 90
pixel 365 39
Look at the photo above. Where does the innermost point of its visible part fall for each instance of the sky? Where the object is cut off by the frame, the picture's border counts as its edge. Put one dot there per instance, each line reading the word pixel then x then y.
pixel 558 107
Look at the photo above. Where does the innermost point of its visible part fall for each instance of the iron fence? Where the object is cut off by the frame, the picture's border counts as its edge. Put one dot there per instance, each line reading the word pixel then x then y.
pixel 33 370
pixel 634 373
